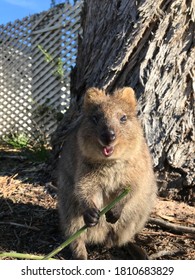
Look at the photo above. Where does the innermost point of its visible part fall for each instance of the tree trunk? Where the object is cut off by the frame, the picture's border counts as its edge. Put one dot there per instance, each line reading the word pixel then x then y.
pixel 148 45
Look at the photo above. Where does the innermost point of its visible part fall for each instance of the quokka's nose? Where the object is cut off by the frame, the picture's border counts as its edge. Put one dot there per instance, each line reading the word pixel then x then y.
pixel 107 136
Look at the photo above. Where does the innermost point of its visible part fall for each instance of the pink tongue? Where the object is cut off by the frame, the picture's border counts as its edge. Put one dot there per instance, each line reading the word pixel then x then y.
pixel 107 151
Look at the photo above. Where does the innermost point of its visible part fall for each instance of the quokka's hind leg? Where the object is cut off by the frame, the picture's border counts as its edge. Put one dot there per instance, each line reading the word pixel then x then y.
pixel 78 249
pixel 111 239
pixel 70 225
pixel 136 252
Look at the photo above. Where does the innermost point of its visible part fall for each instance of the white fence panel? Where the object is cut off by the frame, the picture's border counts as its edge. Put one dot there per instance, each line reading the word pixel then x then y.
pixel 32 93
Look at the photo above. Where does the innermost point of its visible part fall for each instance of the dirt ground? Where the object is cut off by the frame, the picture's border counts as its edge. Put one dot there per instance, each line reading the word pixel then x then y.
pixel 29 219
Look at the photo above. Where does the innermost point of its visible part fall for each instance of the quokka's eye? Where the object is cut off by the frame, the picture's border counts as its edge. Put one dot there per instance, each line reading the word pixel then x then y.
pixel 123 119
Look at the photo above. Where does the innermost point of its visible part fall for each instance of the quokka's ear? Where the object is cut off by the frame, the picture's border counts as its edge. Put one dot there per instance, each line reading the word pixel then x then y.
pixel 94 96
pixel 128 95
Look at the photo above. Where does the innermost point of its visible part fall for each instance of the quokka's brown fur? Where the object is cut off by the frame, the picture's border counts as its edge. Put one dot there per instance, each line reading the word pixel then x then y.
pixel 105 153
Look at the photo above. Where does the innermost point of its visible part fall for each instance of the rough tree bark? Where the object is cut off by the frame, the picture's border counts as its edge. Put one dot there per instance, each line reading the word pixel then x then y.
pixel 148 45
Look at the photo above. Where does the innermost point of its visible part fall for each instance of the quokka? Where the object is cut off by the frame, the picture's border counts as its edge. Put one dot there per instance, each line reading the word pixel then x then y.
pixel 105 153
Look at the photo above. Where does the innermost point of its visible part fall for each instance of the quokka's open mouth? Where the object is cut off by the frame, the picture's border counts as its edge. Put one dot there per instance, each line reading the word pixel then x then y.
pixel 108 150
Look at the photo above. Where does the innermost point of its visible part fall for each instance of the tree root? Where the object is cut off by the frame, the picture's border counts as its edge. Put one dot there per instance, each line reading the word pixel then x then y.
pixel 172 226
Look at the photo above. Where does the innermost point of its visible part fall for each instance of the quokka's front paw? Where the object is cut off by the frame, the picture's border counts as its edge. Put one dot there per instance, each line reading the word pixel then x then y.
pixel 91 217
pixel 112 216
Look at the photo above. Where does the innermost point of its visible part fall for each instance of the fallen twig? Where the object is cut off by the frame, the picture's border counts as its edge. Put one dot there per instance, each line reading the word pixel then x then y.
pixel 16 157
pixel 164 253
pixel 166 233
pixel 172 226
pixel 19 225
